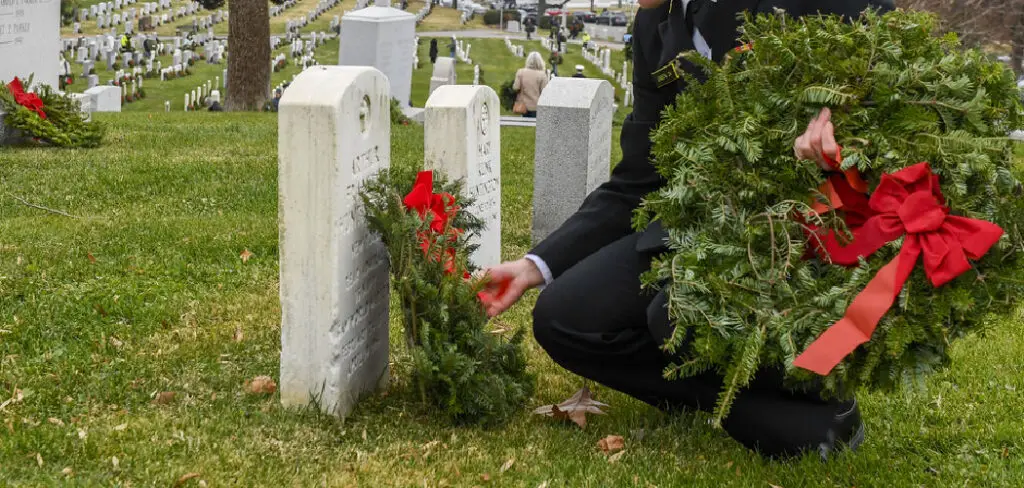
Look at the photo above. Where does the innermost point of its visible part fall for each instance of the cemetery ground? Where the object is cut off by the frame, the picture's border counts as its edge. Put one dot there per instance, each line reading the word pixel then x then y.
pixel 139 293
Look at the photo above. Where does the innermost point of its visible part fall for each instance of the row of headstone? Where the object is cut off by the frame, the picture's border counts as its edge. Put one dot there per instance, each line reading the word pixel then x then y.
pixel 516 50
pixel 334 271
pixel 424 12
pixel 276 10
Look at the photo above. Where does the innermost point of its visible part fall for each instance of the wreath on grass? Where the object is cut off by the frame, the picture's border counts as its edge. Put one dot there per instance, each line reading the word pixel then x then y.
pixel 48 117
pixel 862 277
pixel 470 373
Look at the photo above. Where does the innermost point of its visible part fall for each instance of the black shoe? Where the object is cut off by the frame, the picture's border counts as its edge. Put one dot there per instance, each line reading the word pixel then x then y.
pixel 848 431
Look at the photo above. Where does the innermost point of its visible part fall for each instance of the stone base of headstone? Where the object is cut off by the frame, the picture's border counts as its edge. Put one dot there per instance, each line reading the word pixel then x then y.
pixel 414 114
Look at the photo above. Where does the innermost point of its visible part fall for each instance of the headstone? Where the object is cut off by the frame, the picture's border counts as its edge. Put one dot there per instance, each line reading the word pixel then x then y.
pixel 93 80
pixel 105 98
pixel 573 148
pixel 186 102
pixel 334 132
pixel 382 37
pixel 444 73
pixel 462 139
pixel 476 74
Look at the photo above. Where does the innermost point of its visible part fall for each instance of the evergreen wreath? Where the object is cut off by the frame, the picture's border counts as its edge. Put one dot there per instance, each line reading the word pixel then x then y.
pixel 471 374
pixel 48 117
pixel 746 290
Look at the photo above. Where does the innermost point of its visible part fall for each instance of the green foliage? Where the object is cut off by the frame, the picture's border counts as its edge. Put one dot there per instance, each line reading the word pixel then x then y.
pixel 63 126
pixel 211 4
pixel 470 374
pixel 491 17
pixel 397 116
pixel 508 94
pixel 736 276
pixel 627 50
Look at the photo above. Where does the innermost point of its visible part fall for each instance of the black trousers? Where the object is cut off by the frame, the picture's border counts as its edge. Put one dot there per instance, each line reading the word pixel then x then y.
pixel 595 321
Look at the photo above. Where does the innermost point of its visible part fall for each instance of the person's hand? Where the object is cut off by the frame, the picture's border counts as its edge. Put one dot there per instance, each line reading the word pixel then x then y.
pixel 507 283
pixel 818 140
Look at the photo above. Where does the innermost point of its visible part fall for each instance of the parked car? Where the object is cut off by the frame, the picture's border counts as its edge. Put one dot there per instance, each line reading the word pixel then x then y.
pixel 619 18
pixel 588 17
pixel 605 18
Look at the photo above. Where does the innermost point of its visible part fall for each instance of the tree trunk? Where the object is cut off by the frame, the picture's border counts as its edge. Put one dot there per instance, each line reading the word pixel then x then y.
pixel 249 60
pixel 1017 45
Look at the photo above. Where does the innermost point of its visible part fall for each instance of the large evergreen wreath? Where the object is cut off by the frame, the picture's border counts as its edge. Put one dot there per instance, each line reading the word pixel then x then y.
pixel 745 291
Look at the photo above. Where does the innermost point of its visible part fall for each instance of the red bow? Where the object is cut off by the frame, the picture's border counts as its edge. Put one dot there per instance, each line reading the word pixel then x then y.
pixel 30 101
pixel 439 208
pixel 908 202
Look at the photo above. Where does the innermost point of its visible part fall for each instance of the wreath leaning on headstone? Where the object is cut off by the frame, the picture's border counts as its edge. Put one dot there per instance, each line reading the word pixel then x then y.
pixel 471 374
pixel 47 117
pixel 863 278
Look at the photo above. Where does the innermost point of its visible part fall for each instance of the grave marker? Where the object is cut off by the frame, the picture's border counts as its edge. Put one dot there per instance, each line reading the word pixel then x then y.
pixel 334 132
pixel 573 148
pixel 382 37
pixel 444 73
pixel 462 140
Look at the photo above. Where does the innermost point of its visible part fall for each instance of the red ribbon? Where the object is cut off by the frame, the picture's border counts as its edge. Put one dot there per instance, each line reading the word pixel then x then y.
pixel 908 202
pixel 30 101
pixel 439 208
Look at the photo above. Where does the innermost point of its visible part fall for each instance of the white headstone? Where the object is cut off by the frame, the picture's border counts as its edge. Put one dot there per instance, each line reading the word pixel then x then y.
pixel 462 140
pixel 573 148
pixel 167 106
pixel 444 73
pixel 105 98
pixel 334 132
pixel 382 37
pixel 29 27
pixel 476 74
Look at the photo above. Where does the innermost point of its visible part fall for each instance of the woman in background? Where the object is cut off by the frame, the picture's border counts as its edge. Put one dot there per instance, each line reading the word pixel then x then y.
pixel 530 82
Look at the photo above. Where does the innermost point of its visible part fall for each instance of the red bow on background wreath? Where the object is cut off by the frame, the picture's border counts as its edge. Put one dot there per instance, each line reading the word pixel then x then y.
pixel 30 101
pixel 906 203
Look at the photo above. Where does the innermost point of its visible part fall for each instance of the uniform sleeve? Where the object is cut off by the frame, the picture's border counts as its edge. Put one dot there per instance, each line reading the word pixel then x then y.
pixel 606 214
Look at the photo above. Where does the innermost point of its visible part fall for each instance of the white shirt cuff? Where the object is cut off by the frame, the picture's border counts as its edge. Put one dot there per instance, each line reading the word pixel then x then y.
pixel 544 269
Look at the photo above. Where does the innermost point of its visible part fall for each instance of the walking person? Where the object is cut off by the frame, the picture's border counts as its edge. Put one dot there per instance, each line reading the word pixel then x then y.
pixel 530 82
pixel 433 51
pixel 592 316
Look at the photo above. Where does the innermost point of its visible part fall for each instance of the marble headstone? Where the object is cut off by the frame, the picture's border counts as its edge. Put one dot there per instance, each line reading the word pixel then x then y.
pixel 382 37
pixel 573 148
pixel 444 73
pixel 462 139
pixel 334 132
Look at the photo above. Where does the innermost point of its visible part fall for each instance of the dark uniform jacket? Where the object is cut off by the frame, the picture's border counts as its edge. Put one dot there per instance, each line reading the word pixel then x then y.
pixel 659 35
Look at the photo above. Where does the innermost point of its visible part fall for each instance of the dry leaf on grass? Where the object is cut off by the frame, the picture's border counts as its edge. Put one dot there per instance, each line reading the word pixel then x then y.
pixel 246 255
pixel 39 459
pixel 67 471
pixel 508 464
pixel 773 486
pixel 261 385
pixel 120 427
pixel 92 259
pixel 614 458
pixel 238 336
pixel 55 421
pixel 575 408
pixel 184 478
pixel 485 477
pixel 164 397
pixel 612 444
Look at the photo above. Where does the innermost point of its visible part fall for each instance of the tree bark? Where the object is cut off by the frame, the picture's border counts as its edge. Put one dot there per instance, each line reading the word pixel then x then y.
pixel 248 82
pixel 1017 44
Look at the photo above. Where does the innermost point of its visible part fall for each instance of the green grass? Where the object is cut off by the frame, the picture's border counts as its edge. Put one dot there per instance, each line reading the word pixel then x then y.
pixel 145 291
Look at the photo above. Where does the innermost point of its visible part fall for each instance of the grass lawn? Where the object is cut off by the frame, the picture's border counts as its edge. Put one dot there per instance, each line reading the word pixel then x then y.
pixel 447 19
pixel 145 293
